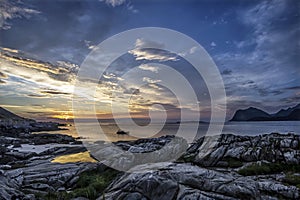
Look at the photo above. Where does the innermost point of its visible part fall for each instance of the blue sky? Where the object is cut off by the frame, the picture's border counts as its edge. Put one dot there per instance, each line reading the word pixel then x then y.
pixel 255 45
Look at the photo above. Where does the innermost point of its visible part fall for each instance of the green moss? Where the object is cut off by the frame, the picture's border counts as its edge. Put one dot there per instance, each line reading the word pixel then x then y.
pixel 292 179
pixel 233 162
pixel 91 184
pixel 18 165
pixel 268 168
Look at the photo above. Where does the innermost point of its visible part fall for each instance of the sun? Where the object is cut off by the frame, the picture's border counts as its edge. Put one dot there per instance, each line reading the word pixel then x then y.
pixel 64 116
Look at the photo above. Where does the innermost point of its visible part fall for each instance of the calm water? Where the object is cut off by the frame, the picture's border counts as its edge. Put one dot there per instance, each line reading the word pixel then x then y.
pixel 89 131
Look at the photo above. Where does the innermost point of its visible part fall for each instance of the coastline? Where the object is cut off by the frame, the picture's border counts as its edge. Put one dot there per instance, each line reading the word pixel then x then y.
pixel 27 170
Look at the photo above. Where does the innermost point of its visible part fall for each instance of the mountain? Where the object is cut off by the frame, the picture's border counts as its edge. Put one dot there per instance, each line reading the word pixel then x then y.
pixel 254 114
pixel 249 114
pixel 5 114
pixel 286 112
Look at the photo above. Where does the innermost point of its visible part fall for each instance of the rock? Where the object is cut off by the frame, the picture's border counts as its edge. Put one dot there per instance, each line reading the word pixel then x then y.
pixel 123 156
pixel 29 197
pixel 5 167
pixel 184 181
pixel 53 176
pixel 271 147
pixel 290 192
pixel 80 198
pixel 291 157
pixel 21 155
pixel 9 188
pixel 43 187
pixel 45 138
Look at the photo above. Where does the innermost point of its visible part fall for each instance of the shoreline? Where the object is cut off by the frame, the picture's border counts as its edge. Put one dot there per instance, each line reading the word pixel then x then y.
pixel 27 169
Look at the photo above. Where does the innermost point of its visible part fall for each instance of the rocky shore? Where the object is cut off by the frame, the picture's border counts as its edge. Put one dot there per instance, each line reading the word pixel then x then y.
pixel 237 167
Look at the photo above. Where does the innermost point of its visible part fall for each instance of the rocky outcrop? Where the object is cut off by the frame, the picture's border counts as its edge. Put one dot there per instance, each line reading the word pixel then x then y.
pixel 166 181
pixel 27 172
pixel 209 174
pixel 125 155
pixel 205 169
pixel 282 148
pixel 12 125
pixel 40 177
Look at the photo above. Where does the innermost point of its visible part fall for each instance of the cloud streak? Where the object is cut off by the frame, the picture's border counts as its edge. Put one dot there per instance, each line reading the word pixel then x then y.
pixel 13 9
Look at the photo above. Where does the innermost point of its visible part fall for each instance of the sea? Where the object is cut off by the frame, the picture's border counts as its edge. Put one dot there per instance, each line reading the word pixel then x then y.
pixel 106 131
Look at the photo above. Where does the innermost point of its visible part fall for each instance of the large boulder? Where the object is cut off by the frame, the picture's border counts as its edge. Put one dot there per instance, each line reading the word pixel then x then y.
pixel 184 181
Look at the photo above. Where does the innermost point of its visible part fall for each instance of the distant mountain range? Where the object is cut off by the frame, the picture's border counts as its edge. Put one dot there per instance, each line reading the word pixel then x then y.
pixel 5 114
pixel 254 114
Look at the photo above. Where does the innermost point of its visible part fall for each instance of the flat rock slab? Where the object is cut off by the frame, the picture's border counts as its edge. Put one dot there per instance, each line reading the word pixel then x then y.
pixel 167 180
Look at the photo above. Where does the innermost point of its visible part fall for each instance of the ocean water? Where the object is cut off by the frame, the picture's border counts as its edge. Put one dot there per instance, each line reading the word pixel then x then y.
pixel 90 132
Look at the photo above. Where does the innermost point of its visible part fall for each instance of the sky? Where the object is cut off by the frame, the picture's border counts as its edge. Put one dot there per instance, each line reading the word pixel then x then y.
pixel 254 44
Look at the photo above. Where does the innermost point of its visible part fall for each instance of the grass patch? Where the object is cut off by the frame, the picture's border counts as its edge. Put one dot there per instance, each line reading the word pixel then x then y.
pixel 233 162
pixel 268 168
pixel 292 179
pixel 91 184
pixel 18 165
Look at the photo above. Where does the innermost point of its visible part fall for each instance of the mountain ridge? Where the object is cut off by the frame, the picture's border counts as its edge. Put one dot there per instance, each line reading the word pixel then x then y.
pixel 6 114
pixel 255 114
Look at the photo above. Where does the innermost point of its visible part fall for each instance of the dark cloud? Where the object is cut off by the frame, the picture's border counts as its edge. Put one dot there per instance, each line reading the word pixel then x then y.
pixel 60 33
pixel 132 91
pixel 2 75
pixel 54 92
pixel 2 81
pixel 37 95
pixel 293 88
pixel 268 56
pixel 11 9
pixel 62 71
pixel 37 105
pixel 292 99
pixel 226 72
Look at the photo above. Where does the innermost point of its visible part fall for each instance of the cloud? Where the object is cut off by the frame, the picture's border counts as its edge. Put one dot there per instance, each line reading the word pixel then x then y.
pixel 149 80
pixel 131 8
pixel 54 92
pixel 213 44
pixel 132 91
pixel 35 78
pixel 61 71
pixel 114 3
pixel 150 50
pixel 293 88
pixel 89 44
pixel 226 72
pixel 37 95
pixel 147 67
pixel 267 55
pixel 142 43
pixel 13 9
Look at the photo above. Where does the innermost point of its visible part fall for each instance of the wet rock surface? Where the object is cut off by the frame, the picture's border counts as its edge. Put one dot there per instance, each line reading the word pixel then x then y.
pixel 186 181
pixel 197 174
pixel 282 148
pixel 26 169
